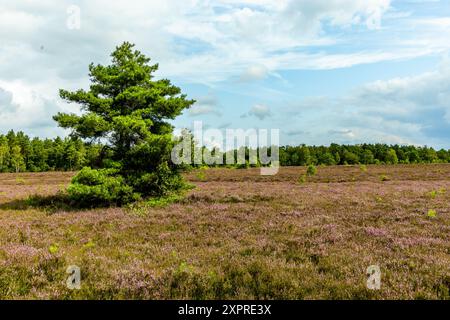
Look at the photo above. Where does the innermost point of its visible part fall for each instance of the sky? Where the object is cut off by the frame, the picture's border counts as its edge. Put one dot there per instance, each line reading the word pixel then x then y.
pixel 322 71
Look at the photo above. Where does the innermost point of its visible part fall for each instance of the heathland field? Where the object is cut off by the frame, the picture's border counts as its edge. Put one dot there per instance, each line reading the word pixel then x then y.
pixel 236 235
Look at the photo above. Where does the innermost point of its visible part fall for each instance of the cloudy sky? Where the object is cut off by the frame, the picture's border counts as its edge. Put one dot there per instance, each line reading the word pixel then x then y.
pixel 322 71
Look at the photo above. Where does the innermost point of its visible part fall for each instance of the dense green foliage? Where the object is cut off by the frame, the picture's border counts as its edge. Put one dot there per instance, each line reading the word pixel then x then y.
pixel 102 187
pixel 335 154
pixel 20 153
pixel 311 170
pixel 360 154
pixel 129 111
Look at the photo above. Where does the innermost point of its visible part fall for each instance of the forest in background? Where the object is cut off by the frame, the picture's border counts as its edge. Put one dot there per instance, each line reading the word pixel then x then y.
pixel 20 153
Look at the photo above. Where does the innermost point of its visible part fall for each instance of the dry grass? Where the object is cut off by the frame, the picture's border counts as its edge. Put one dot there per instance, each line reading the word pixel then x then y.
pixel 237 235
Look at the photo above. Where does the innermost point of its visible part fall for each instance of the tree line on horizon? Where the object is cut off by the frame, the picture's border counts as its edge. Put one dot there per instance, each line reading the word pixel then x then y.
pixel 20 153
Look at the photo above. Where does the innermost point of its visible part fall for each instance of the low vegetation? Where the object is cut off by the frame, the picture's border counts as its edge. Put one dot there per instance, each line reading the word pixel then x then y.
pixel 237 235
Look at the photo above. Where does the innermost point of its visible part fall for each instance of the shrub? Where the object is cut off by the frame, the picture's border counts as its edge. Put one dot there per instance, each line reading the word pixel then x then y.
pixel 433 194
pixel 311 170
pixel 432 213
pixel 302 179
pixel 163 181
pixel 100 188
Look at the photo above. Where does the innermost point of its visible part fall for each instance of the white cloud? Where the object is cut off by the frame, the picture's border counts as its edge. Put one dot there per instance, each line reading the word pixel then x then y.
pixel 198 41
pixel 246 35
pixel 259 111
pixel 349 134
pixel 408 110
pixel 201 110
pixel 207 105
pixel 338 12
pixel 33 116
pixel 233 37
pixel 296 132
pixel 254 72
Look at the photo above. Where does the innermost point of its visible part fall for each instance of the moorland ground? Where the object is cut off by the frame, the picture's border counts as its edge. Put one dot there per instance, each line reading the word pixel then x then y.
pixel 237 235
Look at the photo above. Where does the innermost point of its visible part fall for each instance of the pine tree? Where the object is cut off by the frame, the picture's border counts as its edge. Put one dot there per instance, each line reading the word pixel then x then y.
pixel 130 110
